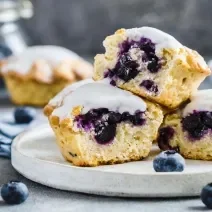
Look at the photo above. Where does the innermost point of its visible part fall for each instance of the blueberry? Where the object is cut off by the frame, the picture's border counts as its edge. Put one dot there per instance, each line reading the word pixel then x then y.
pixel 114 117
pixel 194 125
pixel 207 119
pixel 105 133
pixel 191 121
pixel 92 114
pixel 153 65
pixel 4 51
pixel 24 115
pixel 126 116
pixel 169 161
pixel 165 135
pixel 206 195
pixel 138 119
pixel 14 192
pixel 147 46
pixel 101 111
pixel 126 73
pixel 5 140
pixel 113 83
pixel 150 86
pixel 11 131
pixel 5 150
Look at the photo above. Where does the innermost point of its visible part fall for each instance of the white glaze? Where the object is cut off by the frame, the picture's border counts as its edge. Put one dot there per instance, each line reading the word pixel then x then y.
pixel 99 95
pixel 161 39
pixel 70 88
pixel 200 101
pixel 22 62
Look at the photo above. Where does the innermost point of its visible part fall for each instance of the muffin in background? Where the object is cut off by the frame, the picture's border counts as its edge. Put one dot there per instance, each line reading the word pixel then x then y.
pixel 37 74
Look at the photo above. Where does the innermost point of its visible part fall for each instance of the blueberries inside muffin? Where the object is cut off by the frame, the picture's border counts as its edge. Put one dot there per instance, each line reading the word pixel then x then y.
pixel 104 122
pixel 127 68
pixel 150 86
pixel 164 137
pixel 197 124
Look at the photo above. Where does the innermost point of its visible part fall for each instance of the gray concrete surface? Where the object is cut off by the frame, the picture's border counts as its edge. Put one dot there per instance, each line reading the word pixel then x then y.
pixel 45 199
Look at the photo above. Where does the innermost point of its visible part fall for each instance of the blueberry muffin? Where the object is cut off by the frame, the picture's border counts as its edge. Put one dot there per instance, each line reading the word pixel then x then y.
pixel 99 124
pixel 40 72
pixel 151 64
pixel 189 130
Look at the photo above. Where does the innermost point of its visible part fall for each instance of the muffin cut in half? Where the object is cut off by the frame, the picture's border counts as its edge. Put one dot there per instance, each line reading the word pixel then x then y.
pixel 100 124
pixel 189 130
pixel 40 72
pixel 151 64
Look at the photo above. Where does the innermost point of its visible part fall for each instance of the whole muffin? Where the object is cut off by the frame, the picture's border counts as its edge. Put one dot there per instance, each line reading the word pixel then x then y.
pixel 151 64
pixel 40 72
pixel 100 124
pixel 189 130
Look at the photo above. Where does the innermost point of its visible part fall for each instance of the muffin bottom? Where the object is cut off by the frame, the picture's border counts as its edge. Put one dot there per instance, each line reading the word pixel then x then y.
pixel 131 142
pixel 32 92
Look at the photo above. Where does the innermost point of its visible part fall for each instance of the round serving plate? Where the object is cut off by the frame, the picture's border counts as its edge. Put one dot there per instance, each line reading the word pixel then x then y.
pixel 36 156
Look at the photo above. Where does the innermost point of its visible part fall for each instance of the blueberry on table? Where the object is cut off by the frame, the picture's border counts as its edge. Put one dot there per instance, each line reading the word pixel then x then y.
pixel 5 151
pixel 169 161
pixel 11 131
pixel 14 192
pixel 206 195
pixel 24 115
pixel 4 51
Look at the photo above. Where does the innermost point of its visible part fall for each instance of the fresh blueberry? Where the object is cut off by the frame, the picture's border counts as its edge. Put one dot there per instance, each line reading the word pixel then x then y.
pixel 5 140
pixel 165 135
pixel 4 51
pixel 5 150
pixel 206 195
pixel 105 133
pixel 169 161
pixel 11 131
pixel 14 192
pixel 24 115
pixel 150 86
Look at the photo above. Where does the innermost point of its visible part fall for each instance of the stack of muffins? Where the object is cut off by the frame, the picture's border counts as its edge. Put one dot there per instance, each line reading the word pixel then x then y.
pixel 143 75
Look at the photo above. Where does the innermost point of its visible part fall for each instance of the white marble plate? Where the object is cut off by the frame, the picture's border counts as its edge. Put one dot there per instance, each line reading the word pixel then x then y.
pixel 36 156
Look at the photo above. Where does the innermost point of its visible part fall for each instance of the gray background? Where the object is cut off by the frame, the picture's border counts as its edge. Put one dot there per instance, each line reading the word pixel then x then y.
pixel 81 25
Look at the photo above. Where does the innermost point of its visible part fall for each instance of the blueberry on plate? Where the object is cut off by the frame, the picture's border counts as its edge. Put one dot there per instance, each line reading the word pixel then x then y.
pixel 14 192
pixel 11 131
pixel 5 150
pixel 206 195
pixel 169 161
pixel 24 115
